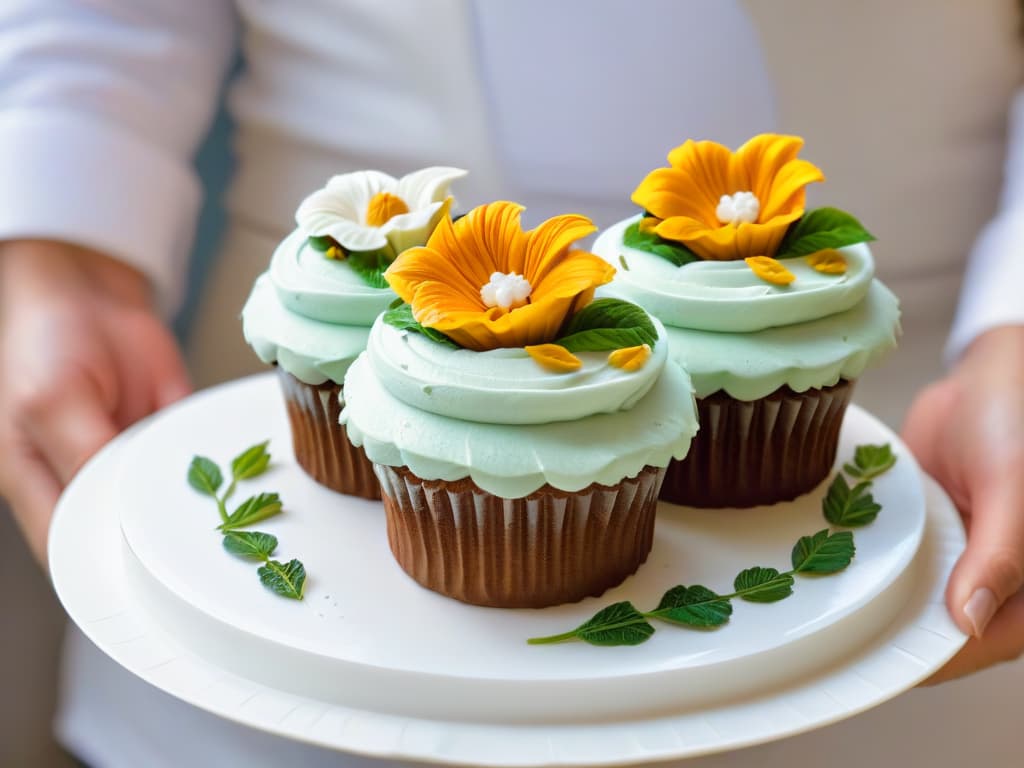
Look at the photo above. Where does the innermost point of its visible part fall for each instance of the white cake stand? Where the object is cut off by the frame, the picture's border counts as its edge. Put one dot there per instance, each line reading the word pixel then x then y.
pixel 370 662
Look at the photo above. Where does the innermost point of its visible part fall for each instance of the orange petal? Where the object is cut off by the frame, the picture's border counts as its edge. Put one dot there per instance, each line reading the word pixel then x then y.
pixel 549 243
pixel 417 266
pixel 707 164
pixel 630 358
pixel 829 262
pixel 667 192
pixel 770 270
pixel 761 158
pixel 574 274
pixel 554 357
pixel 788 189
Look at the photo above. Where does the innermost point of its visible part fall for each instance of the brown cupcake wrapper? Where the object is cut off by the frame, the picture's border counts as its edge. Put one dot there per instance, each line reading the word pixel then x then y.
pixel 759 452
pixel 548 548
pixel 320 443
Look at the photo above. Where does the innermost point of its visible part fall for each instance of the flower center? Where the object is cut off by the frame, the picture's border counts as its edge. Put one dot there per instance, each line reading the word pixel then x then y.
pixel 383 207
pixel 506 291
pixel 738 208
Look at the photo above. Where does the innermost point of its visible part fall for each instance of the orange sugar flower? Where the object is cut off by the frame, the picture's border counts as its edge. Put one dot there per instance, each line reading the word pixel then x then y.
pixel 486 283
pixel 727 205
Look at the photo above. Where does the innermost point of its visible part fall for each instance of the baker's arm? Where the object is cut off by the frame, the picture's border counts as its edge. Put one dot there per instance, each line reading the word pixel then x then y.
pixel 102 105
pixel 967 430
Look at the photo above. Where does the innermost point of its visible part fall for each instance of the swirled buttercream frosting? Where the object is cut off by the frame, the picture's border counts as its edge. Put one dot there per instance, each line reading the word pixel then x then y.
pixel 309 314
pixel 505 385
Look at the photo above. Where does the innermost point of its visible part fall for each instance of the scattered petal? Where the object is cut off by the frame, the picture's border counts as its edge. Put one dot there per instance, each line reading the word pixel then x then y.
pixel 770 270
pixel 630 359
pixel 554 357
pixel 829 262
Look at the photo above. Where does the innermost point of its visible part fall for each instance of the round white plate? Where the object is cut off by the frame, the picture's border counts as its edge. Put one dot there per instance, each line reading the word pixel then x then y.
pixel 372 663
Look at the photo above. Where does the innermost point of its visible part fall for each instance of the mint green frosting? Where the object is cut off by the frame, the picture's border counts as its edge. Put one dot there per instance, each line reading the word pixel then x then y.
pixel 734 332
pixel 727 295
pixel 503 386
pixel 309 314
pixel 512 461
pixel 818 353
pixel 310 284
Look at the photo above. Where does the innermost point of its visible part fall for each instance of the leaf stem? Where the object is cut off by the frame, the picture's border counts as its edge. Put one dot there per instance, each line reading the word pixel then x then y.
pixel 570 635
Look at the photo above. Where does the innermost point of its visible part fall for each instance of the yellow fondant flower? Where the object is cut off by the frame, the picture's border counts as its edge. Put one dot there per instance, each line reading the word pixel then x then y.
pixel 486 283
pixel 370 210
pixel 727 205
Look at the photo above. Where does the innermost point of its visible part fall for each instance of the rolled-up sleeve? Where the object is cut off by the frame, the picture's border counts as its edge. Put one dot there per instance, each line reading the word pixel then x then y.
pixel 993 288
pixel 102 106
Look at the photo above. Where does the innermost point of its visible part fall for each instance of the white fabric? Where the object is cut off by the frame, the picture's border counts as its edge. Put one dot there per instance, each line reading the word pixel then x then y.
pixel 101 105
pixel 991 294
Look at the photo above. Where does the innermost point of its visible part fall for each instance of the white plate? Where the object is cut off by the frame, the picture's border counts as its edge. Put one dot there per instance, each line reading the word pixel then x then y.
pixel 372 663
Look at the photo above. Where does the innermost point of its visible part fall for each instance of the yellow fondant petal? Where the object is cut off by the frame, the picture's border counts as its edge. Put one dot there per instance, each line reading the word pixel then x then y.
pixel 829 262
pixel 630 358
pixel 770 270
pixel 554 357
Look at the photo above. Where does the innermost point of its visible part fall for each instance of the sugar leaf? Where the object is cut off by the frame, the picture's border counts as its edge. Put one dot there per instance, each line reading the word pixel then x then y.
pixel 252 510
pixel 618 624
pixel 695 606
pixel 401 317
pixel 251 462
pixel 286 579
pixel 676 253
pixel 370 266
pixel 251 544
pixel 823 552
pixel 204 475
pixel 870 461
pixel 763 585
pixel 820 229
pixel 849 507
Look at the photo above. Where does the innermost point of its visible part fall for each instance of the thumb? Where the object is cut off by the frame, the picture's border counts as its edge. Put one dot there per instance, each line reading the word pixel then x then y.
pixel 991 570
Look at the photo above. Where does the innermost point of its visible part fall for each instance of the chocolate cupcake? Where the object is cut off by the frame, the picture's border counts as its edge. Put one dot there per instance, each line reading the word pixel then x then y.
pixel 520 429
pixel 773 310
pixel 311 312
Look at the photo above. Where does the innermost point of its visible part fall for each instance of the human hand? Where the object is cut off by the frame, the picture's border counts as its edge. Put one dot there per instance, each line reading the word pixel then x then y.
pixel 967 431
pixel 82 356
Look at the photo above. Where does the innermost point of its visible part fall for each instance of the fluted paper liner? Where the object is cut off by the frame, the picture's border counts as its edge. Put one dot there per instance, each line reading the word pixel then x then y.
pixel 321 444
pixel 759 452
pixel 547 548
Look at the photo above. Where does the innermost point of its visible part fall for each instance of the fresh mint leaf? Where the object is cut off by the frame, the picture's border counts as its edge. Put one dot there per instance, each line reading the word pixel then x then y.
pixel 676 253
pixel 253 510
pixel 321 244
pixel 820 229
pixel 204 475
pixel 694 606
pixel 618 624
pixel 823 552
pixel 370 266
pixel 849 507
pixel 608 324
pixel 285 579
pixel 763 585
pixel 252 544
pixel 251 462
pixel 400 317
pixel 870 461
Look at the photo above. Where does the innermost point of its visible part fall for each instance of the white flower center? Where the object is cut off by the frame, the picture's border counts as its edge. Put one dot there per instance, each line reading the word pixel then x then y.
pixel 738 208
pixel 506 291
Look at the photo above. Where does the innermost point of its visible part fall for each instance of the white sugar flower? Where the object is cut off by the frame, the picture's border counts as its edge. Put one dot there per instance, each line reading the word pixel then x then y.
pixel 370 210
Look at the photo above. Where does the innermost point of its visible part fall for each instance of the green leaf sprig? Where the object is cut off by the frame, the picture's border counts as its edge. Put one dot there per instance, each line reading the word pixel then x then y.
pixel 399 314
pixel 369 265
pixel 820 229
pixel 285 579
pixel 821 553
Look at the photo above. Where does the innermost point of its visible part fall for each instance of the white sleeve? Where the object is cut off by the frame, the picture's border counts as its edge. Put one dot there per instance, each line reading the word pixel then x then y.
pixel 102 105
pixel 991 294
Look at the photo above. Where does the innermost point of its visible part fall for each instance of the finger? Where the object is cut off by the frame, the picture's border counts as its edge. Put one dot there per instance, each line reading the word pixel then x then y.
pixel 32 491
pixel 67 428
pixel 1003 641
pixel 991 570
pixel 170 377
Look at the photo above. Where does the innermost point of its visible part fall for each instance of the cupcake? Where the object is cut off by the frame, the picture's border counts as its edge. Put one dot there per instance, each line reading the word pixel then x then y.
pixel 773 310
pixel 520 429
pixel 311 312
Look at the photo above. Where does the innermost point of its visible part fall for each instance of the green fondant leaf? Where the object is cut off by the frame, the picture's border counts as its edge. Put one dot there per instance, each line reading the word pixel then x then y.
pixel 321 244
pixel 820 229
pixel 695 606
pixel 370 266
pixel 849 507
pixel 677 253
pixel 400 316
pixel 763 585
pixel 608 324
pixel 823 552
pixel 286 579
pixel 870 461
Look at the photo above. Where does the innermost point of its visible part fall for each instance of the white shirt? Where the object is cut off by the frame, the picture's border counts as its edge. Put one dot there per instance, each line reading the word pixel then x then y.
pixel 103 103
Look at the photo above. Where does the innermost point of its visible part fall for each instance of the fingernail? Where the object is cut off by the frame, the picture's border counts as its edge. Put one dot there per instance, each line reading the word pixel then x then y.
pixel 980 609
